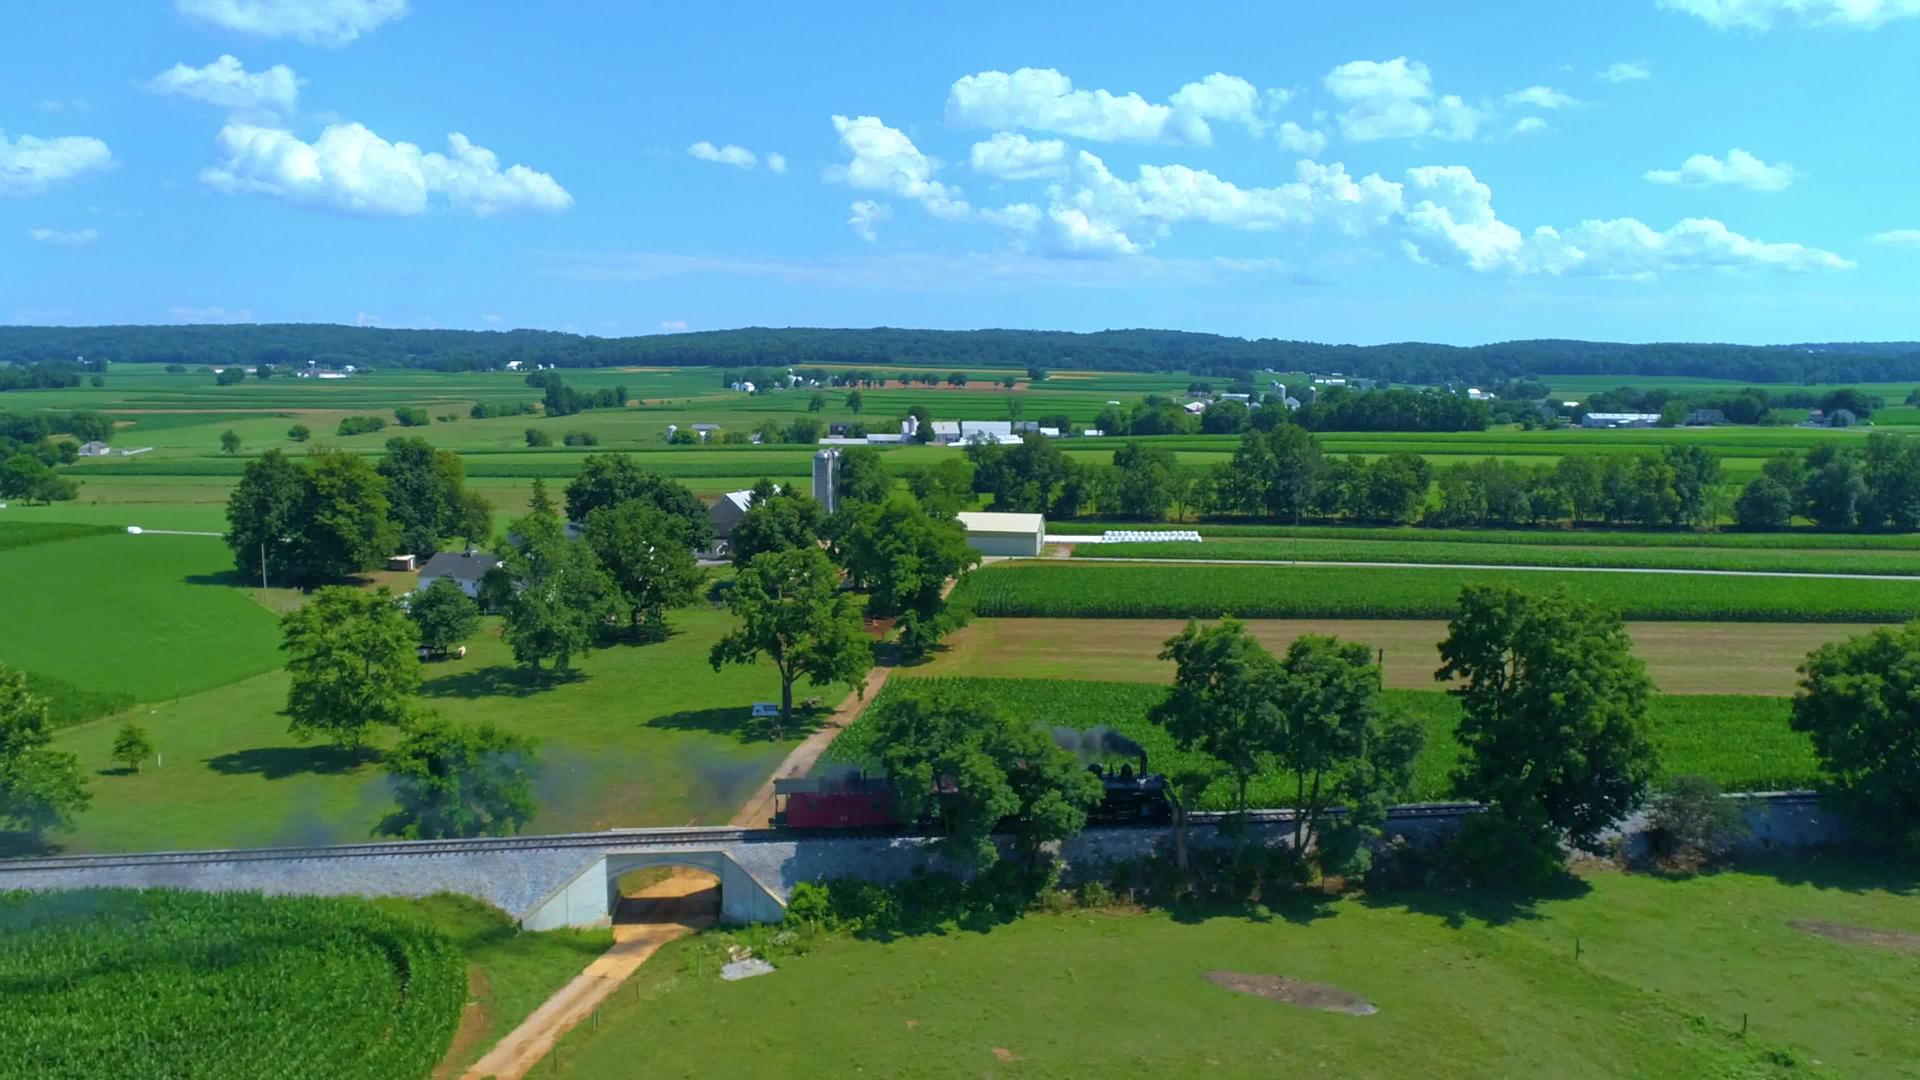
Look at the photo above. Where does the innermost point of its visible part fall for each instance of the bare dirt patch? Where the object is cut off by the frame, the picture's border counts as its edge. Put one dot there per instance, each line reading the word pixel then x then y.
pixel 1307 995
pixel 1896 940
pixel 1005 1054
pixel 475 1023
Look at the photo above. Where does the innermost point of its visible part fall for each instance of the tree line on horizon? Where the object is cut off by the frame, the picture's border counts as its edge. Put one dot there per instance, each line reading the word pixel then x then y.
pixel 295 344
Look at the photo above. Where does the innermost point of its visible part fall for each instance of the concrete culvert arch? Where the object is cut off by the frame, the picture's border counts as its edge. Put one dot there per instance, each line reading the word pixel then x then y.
pixel 593 896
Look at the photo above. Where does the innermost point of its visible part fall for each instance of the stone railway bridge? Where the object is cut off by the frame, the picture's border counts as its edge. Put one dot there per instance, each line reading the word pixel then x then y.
pixel 571 879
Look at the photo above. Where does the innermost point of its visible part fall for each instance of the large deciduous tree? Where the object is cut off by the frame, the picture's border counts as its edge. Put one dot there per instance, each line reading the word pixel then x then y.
pixel 1554 710
pixel 775 521
pixel 974 769
pixel 1144 489
pixel 444 614
pixel 1273 473
pixel 902 557
pixel 263 515
pixel 1859 701
pixel 426 489
pixel 610 479
pixel 1225 701
pixel 354 658
pixel 453 780
pixel 1022 479
pixel 647 557
pixel 40 787
pixel 793 611
pixel 559 596
pixel 343 524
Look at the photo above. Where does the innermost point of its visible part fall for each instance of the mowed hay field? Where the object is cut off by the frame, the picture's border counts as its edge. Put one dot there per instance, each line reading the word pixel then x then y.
pixel 1666 973
pixel 1681 657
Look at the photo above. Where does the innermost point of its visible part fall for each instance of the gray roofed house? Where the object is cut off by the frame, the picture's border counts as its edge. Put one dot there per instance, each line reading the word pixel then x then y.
pixel 96 448
pixel 466 568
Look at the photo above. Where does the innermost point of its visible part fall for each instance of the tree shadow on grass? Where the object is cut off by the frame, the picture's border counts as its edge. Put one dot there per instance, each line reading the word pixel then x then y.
pixel 1851 868
pixel 280 762
pixel 1486 905
pixel 25 845
pixel 739 724
pixel 499 680
pixel 1298 906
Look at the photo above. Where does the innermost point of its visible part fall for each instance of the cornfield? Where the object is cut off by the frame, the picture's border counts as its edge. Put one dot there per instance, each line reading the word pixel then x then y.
pixel 1200 590
pixel 1464 553
pixel 160 983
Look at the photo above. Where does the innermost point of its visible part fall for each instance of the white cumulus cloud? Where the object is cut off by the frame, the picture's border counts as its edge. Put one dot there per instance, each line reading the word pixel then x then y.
pixel 1905 238
pixel 865 215
pixel 29 164
pixel 1528 125
pixel 214 314
pixel 1302 140
pixel 1624 71
pixel 1012 156
pixel 776 162
pixel 228 84
pixel 737 156
pixel 350 168
pixel 673 326
pixel 1738 169
pixel 1450 220
pixel 883 159
pixel 1043 99
pixel 63 237
pixel 1763 14
pixel 1542 97
pixel 1394 99
pixel 317 22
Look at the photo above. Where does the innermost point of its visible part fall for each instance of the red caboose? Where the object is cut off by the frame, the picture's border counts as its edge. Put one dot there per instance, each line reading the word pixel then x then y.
pixel 834 802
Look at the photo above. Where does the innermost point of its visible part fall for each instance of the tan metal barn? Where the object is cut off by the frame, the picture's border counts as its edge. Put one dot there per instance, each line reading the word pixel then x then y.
pixel 1004 534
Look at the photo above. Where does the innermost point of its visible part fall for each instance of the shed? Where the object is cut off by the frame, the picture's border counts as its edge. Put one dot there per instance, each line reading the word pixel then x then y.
pixel 466 568
pixel 96 448
pixel 1004 534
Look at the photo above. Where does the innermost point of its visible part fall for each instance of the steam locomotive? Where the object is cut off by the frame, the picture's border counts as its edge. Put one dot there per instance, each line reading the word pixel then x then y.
pixel 855 800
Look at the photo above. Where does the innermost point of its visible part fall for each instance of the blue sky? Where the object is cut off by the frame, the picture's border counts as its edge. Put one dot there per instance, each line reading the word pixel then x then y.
pixel 1729 170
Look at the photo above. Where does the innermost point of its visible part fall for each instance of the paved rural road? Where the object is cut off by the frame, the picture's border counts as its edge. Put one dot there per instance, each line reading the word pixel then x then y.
pixel 1500 566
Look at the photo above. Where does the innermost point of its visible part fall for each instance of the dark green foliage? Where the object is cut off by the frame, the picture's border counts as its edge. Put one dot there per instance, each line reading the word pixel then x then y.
pixel 299 433
pixel 862 476
pixel 974 769
pixel 230 376
pixel 793 612
pixel 648 560
pixel 1554 709
pixel 426 489
pixel 131 746
pixel 1691 821
pixel 265 513
pixel 360 425
pixel 1021 479
pixel 1273 474
pixel 483 410
pixel 1764 504
pixel 411 416
pixel 40 787
pixel 775 521
pixel 1145 487
pixel 353 658
pixel 30 480
pixel 563 400
pixel 901 556
pixel 229 441
pixel 611 479
pixel 559 596
pixel 1859 700
pixel 444 615
pixel 223 986
pixel 1344 409
pixel 536 437
pixel 459 780
pixel 581 438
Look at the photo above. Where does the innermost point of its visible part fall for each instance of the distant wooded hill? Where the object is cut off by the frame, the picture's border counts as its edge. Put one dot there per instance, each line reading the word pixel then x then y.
pixel 1119 350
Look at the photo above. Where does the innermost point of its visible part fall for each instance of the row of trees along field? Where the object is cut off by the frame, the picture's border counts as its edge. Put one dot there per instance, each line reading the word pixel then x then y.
pixel 1282 474
pixel 1109 350
pixel 29 452
pixel 1553 735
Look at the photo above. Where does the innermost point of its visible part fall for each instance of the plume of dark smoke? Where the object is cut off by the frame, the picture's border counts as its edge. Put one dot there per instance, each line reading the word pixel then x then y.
pixel 1096 744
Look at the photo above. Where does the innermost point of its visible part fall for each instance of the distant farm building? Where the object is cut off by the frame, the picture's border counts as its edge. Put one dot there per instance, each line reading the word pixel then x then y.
pixel 1004 534
pixel 466 568
pixel 95 448
pixel 1619 419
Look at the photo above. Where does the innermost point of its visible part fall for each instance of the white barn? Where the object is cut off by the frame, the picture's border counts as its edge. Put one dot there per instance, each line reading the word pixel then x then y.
pixel 1019 535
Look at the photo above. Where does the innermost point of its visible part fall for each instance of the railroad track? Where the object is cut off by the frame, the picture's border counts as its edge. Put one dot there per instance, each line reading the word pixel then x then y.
pixel 662 837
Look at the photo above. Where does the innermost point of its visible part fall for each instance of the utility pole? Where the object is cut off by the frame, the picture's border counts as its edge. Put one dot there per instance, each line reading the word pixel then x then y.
pixel 263 564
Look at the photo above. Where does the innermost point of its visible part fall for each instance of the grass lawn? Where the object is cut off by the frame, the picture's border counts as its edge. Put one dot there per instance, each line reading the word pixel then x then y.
pixel 150 616
pixel 643 735
pixel 1123 590
pixel 1667 970
pixel 1682 657
pixel 1743 742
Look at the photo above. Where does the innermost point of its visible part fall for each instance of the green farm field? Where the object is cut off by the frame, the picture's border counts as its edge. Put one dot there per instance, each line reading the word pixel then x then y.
pixel 1681 657
pixel 641 735
pixel 1120 589
pixel 1668 973
pixel 1761 560
pixel 1802 539
pixel 233 985
pixel 1742 742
